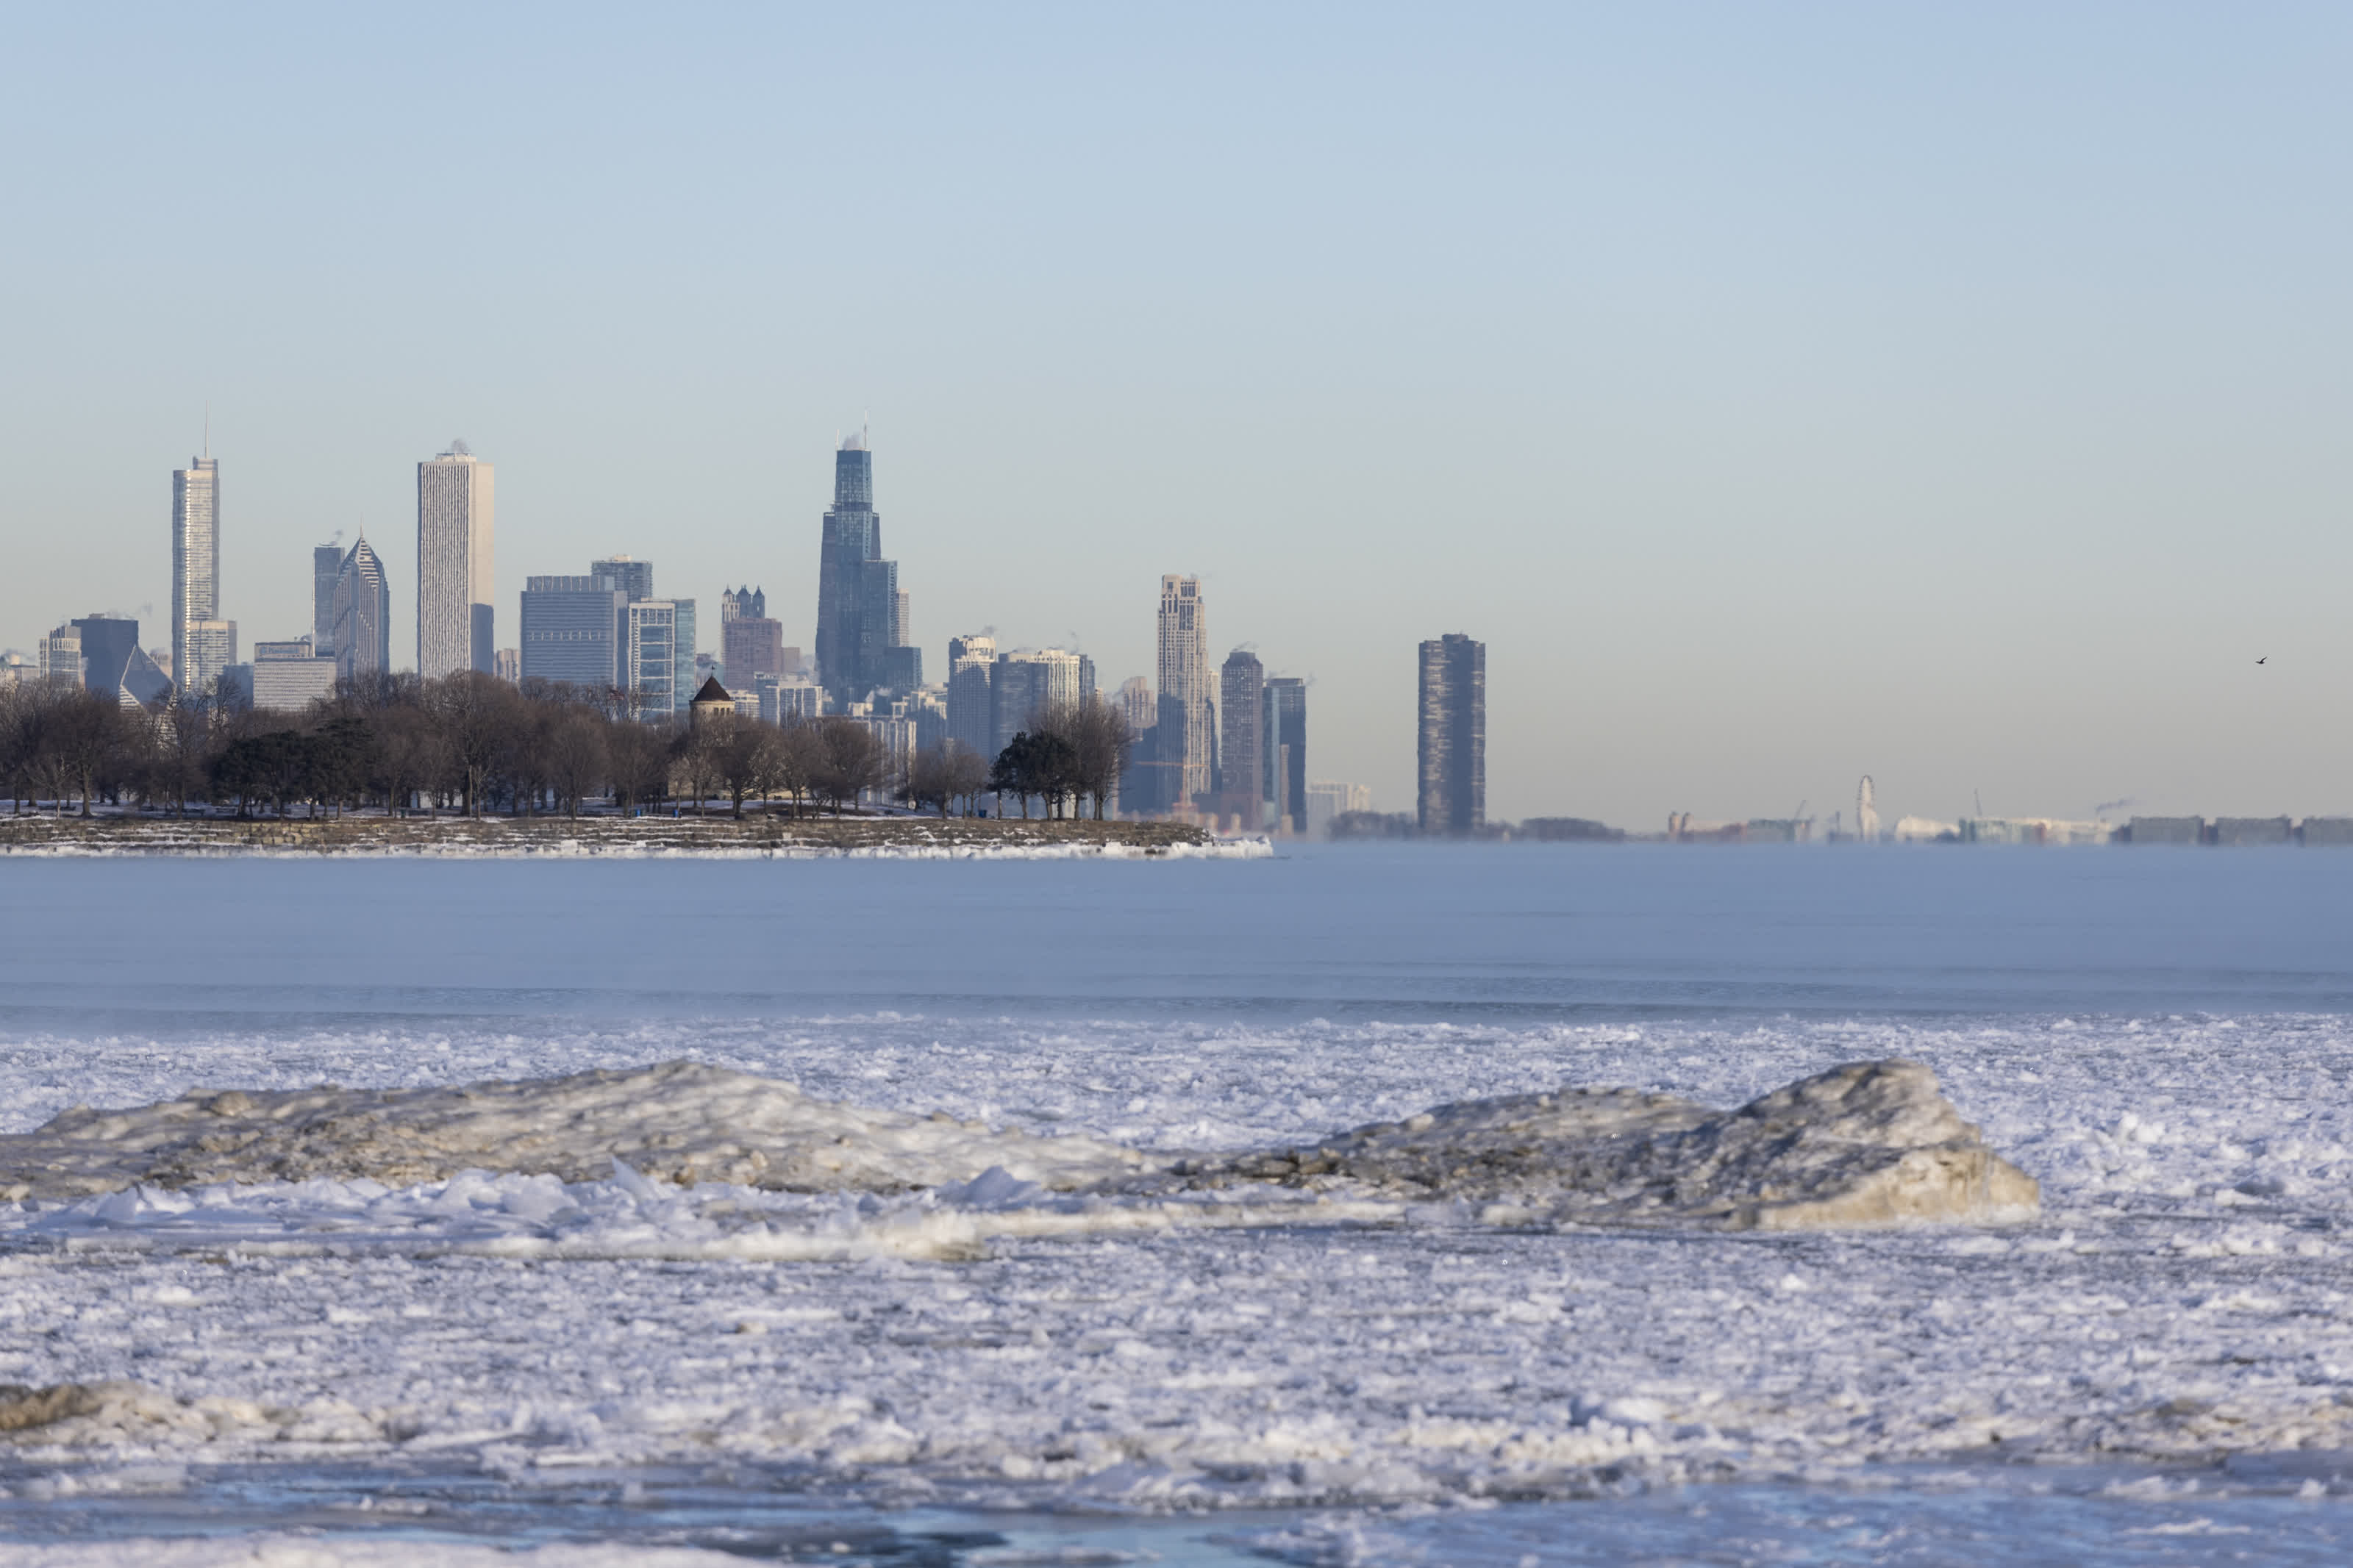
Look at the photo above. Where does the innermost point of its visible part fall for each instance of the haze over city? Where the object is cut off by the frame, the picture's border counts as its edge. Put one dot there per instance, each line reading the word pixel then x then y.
pixel 1784 399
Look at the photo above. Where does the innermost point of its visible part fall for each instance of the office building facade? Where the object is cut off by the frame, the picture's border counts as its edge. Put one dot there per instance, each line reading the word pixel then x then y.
pixel 971 720
pixel 1284 753
pixel 288 676
pixel 326 567
pixel 1328 798
pixel 860 612
pixel 575 631
pixel 1189 750
pixel 197 629
pixel 1451 750
pixel 1241 772
pixel 61 661
pixel 629 575
pixel 456 525
pixel 359 615
pixel 1026 685
pixel 751 644
pixel 659 646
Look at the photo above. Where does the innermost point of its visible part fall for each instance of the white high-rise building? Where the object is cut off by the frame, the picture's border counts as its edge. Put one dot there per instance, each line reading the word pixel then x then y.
pixel 199 636
pixel 1185 676
pixel 1866 812
pixel 1328 798
pixel 455 515
pixel 61 656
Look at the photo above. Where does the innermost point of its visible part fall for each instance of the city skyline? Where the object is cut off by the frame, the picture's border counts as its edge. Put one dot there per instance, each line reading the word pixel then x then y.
pixel 1830 392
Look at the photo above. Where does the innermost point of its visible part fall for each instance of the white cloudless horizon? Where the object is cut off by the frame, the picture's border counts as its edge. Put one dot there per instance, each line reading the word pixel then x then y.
pixel 1781 394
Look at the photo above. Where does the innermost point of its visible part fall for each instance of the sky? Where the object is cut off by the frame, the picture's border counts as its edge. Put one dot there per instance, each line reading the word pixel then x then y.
pixel 1958 395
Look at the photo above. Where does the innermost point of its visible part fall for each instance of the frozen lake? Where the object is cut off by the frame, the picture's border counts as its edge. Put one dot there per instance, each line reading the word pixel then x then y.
pixel 2161 1367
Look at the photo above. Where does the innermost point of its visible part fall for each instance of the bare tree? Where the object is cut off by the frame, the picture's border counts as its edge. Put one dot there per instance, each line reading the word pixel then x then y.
pixel 640 761
pixel 741 753
pixel 1099 742
pixel 183 747
pixel 931 779
pixel 577 758
pixel 86 738
pixel 410 755
pixel 850 761
pixel 475 714
pixel 25 721
pixel 799 752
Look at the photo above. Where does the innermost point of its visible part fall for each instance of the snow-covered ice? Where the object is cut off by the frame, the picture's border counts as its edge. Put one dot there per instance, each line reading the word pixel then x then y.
pixel 2178 1315
pixel 1868 1142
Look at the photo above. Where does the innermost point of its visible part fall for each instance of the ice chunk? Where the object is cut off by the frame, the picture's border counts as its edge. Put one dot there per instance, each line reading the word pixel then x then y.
pixel 1867 1144
pixel 680 1122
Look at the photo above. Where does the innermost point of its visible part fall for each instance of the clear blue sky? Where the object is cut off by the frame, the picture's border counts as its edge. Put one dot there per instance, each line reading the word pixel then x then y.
pixel 1959 395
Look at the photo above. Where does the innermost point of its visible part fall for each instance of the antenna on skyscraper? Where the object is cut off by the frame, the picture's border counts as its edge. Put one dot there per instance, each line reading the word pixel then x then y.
pixel 209 427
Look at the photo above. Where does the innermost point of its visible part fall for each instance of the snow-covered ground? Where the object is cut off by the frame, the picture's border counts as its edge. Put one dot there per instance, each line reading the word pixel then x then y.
pixel 2172 1339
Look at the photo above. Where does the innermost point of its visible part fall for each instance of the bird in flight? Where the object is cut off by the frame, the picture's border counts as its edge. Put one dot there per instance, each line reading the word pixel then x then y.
pixel 2261 660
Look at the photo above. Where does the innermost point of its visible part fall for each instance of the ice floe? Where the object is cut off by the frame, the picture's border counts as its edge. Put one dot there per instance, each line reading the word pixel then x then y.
pixel 1870 1142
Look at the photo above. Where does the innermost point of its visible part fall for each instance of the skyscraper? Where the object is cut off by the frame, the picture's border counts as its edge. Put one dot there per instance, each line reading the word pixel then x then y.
pixel 1242 773
pixel 751 645
pixel 574 630
pixel 632 576
pixel 198 634
pixel 1452 750
pixel 61 659
pixel 658 647
pixel 326 566
pixel 1286 751
pixel 1190 749
pixel 359 615
pixel 971 721
pixel 455 518
pixel 1136 705
pixel 859 609
pixel 1026 685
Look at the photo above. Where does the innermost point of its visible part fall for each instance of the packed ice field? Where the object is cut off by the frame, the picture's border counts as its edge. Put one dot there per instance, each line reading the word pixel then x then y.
pixel 2184 1295
pixel 2157 1363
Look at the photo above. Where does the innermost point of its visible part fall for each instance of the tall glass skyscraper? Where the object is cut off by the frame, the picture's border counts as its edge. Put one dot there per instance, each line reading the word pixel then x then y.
pixel 1286 751
pixel 326 566
pixel 659 650
pixel 859 609
pixel 1452 750
pixel 199 636
pixel 359 615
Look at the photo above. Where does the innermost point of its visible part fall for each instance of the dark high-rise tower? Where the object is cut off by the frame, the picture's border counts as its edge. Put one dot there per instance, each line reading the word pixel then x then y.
pixel 859 609
pixel 1454 748
pixel 1286 750
pixel 1241 784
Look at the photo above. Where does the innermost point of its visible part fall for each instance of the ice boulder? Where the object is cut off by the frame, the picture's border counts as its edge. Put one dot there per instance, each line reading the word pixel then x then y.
pixel 1867 1144
pixel 683 1122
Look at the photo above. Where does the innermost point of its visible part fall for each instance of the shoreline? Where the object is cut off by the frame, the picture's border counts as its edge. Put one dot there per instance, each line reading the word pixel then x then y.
pixel 753 837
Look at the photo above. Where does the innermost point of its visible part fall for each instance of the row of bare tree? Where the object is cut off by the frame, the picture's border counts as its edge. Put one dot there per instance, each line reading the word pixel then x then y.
pixel 470 742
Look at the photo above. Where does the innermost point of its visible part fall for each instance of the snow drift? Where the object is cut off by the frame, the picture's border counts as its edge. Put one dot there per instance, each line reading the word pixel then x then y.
pixel 1867 1144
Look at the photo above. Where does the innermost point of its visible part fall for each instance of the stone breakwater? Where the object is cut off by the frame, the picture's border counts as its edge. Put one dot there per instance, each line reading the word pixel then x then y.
pixel 757 834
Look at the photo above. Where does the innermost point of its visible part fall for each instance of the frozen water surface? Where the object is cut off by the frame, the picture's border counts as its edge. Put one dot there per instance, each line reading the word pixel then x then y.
pixel 2158 1369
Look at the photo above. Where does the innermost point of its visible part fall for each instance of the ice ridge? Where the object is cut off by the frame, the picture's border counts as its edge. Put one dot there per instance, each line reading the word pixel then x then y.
pixel 1867 1143
pixel 1872 1142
